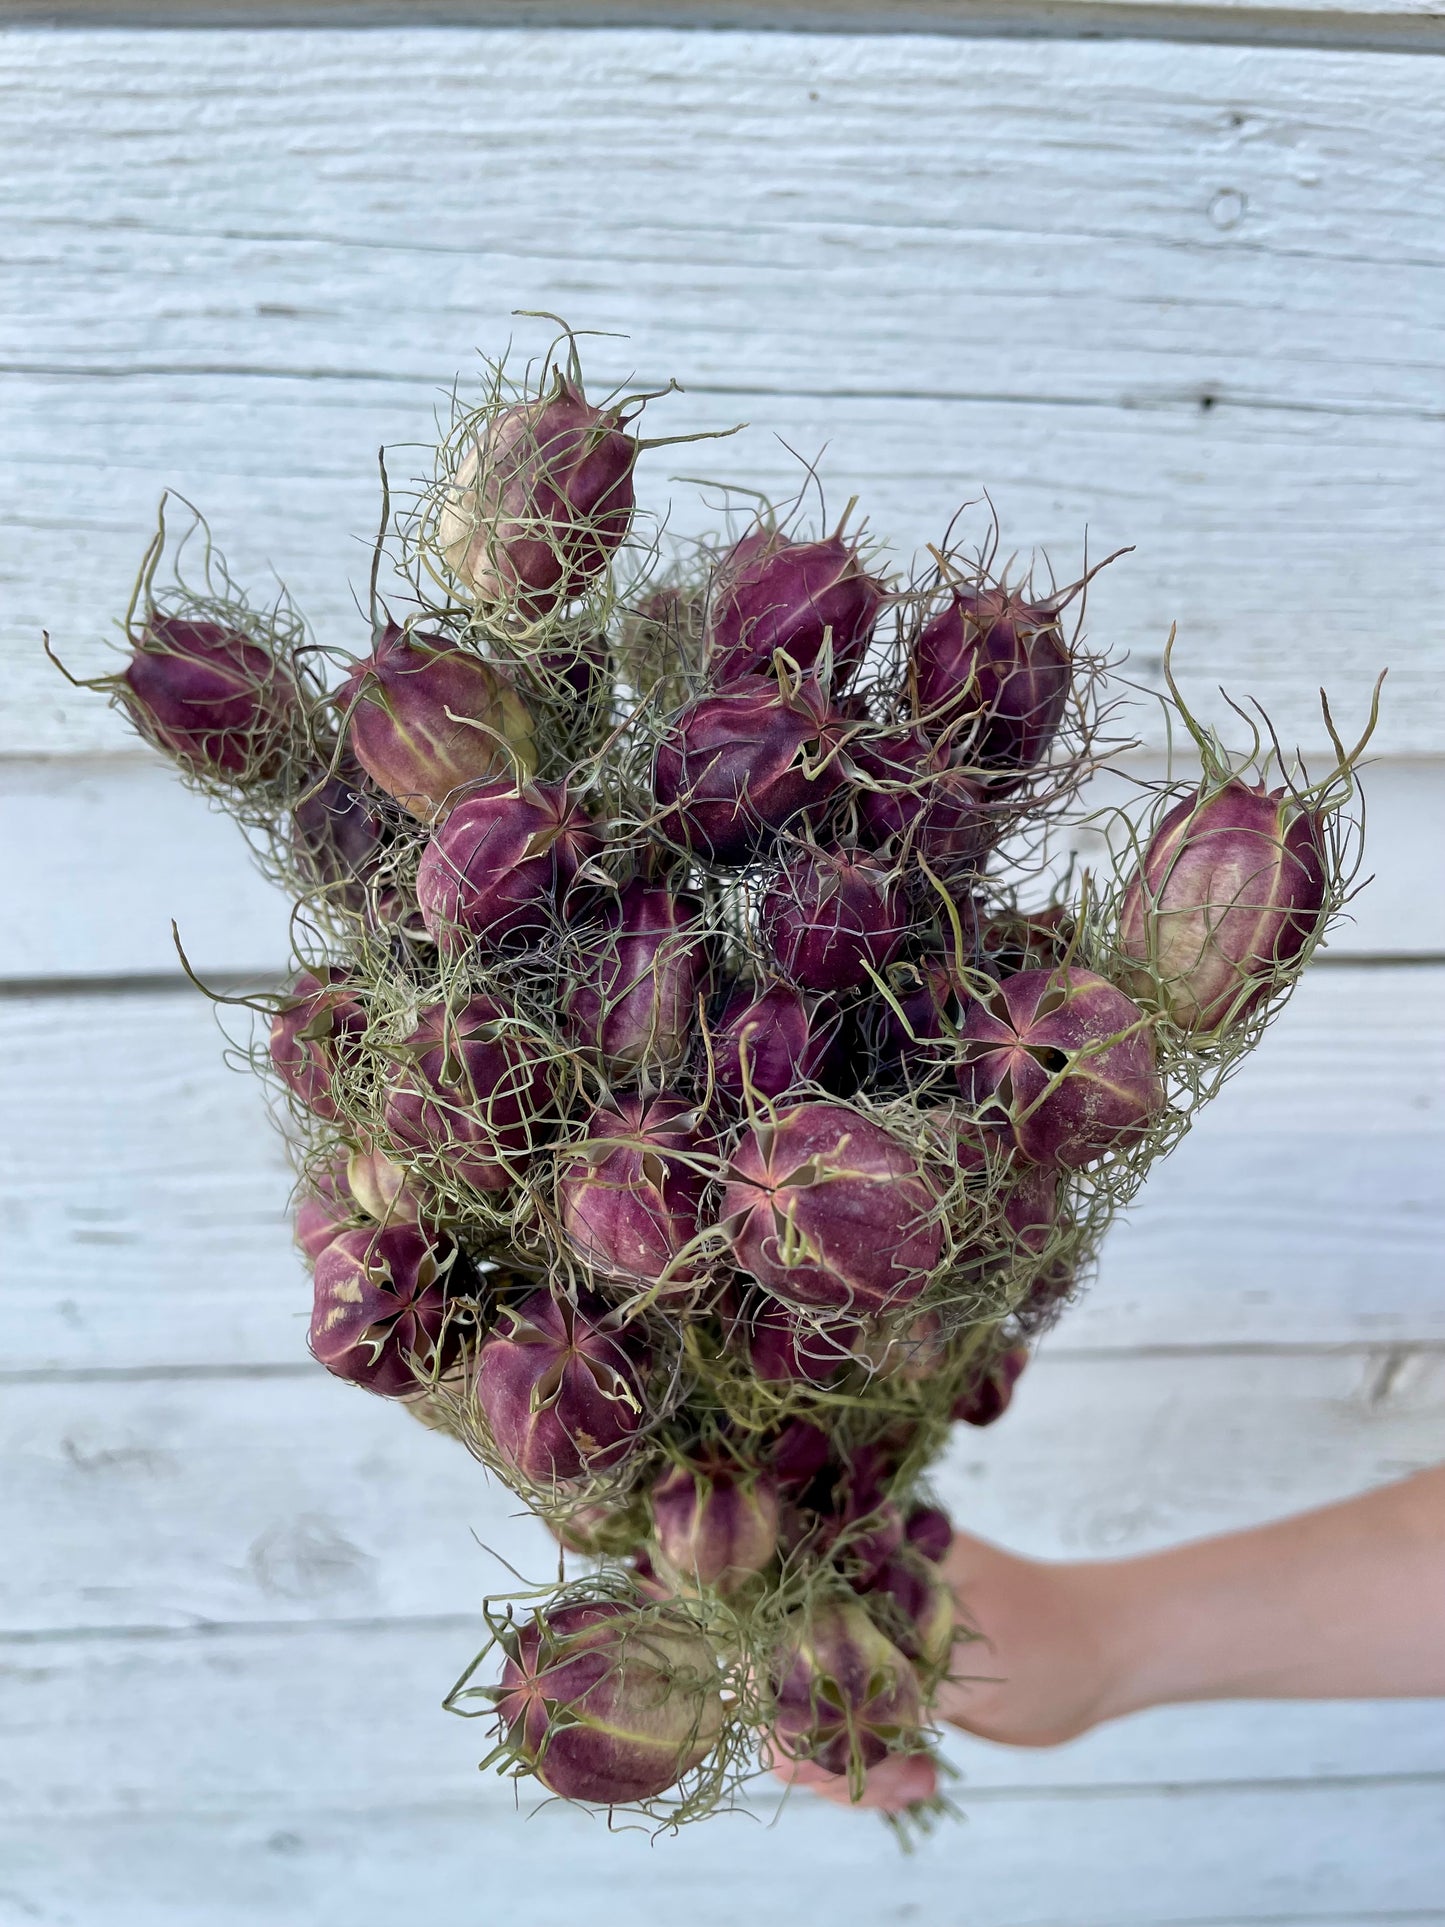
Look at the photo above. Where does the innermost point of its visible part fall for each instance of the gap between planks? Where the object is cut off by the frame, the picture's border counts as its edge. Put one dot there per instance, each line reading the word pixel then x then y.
pixel 1389 28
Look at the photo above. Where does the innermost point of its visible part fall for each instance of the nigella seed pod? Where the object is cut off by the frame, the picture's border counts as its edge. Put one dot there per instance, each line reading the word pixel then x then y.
pixel 798 1455
pixel 599 1530
pixel 993 669
pixel 210 697
pixel 955 829
pixel 715 1523
pixel 317 1029
pixel 1025 1197
pixel 929 1530
pixel 1063 1063
pixel 928 1002
pixel 324 1209
pixel 828 917
pixel 773 596
pixel 471 1088
pixel 427 719
pixel 381 1304
pixel 733 767
pixel 894 777
pixel 989 1397
pixel 1019 940
pixel 769 1039
pixel 540 503
pixel 917 1610
pixel 337 838
pixel 845 1695
pixel 783 1348
pixel 1231 890
pixel 629 1195
pixel 828 1210
pixel 912 1354
pixel 644 968
pixel 382 1188
pixel 498 865
pixel 608 1702
pixel 560 1387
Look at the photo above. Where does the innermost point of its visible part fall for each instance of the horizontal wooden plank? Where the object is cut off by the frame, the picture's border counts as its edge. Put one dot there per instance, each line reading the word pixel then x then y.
pixel 256 1717
pixel 143 1189
pixel 1295 1856
pixel 1374 25
pixel 1204 314
pixel 105 853
pixel 296 1500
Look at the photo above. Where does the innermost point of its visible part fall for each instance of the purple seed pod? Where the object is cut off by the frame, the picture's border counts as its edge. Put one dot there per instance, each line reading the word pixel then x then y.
pixel 783 1348
pixel 732 768
pixel 1019 940
pixel 1042 1303
pixel 913 1354
pixel 427 720
pixel 896 773
pixel 769 1039
pixel 772 595
pixel 828 915
pixel 211 698
pixel 994 669
pixel 323 1210
pixel 845 1695
pixel 1026 1198
pixel 561 1388
pixel 798 1454
pixel 380 1314
pixel 1231 890
pixel 499 863
pixel 629 1197
pixel 337 837
pixel 990 1396
pixel 472 1089
pixel 318 1027
pixel 929 1530
pixel 828 1210
pixel 637 1004
pixel 716 1523
pixel 918 1609
pixel 608 1702
pixel 597 1529
pixel 582 666
pixel 1064 1063
pixel 382 1188
pixel 861 1525
pixel 538 506
pixel 931 995
pixel 956 828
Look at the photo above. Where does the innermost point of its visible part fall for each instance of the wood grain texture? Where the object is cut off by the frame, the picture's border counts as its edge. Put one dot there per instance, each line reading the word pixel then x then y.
pixel 299 1500
pixel 103 854
pixel 1197 306
pixel 1286 1855
pixel 143 1191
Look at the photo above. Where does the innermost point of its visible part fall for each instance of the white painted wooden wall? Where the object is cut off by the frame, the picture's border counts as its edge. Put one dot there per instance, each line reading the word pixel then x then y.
pixel 1191 295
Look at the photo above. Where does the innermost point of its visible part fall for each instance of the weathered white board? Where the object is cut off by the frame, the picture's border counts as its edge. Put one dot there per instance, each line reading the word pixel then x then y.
pixel 1315 1853
pixel 1197 306
pixel 142 1190
pixel 256 1501
pixel 1189 296
pixel 102 855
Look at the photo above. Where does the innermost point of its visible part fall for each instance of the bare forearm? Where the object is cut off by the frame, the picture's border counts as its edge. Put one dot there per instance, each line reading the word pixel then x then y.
pixel 1344 1603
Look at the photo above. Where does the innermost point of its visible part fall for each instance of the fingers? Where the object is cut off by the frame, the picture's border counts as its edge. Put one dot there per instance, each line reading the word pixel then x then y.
pixel 900 1781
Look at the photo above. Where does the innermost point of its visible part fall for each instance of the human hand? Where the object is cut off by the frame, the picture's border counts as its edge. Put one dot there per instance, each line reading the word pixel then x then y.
pixel 1347 1602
